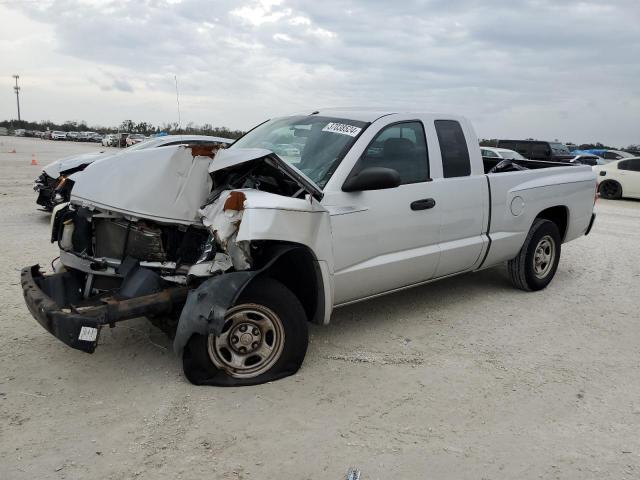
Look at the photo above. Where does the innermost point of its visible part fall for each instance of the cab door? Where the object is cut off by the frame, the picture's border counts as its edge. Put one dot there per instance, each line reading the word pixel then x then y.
pixel 386 239
pixel 462 193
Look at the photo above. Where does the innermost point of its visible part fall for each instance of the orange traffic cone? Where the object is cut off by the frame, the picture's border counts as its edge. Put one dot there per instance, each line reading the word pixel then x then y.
pixel 33 160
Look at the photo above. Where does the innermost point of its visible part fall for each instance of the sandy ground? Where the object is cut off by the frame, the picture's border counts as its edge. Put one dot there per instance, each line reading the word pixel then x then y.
pixel 463 379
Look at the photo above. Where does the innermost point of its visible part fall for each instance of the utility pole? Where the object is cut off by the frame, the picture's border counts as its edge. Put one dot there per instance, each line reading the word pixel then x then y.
pixel 17 89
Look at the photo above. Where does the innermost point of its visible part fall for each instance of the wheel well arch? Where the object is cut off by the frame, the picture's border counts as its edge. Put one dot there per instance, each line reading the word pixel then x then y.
pixel 298 269
pixel 608 180
pixel 558 215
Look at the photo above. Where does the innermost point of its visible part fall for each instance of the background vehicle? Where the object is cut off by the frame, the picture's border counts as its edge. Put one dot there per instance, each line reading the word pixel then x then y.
pixel 73 136
pixel 619 178
pixel 587 159
pixel 52 187
pixel 58 135
pixel 134 138
pixel 240 251
pixel 19 132
pixel 538 150
pixel 609 154
pixel 108 140
pixel 490 152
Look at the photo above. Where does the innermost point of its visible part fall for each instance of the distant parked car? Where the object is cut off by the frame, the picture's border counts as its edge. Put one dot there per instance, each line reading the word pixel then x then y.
pixel 109 140
pixel 586 159
pixel 96 137
pixel 505 153
pixel 73 136
pixel 134 138
pixel 19 132
pixel 53 188
pixel 619 178
pixel 58 135
pixel 609 154
pixel 538 150
pixel 46 135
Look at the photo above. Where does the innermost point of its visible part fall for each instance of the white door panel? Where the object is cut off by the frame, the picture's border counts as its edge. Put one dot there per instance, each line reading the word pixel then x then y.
pixel 464 208
pixel 382 244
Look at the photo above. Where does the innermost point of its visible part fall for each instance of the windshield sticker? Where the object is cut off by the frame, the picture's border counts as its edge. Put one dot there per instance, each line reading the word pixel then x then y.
pixel 342 129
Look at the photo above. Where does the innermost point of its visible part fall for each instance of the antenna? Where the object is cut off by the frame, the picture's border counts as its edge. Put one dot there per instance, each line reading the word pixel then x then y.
pixel 175 77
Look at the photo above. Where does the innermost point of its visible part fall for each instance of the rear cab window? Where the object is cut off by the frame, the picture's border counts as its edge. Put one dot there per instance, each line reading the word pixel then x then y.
pixel 453 149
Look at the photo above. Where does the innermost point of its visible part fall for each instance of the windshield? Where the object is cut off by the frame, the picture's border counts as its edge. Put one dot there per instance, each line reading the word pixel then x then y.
pixel 511 155
pixel 314 145
pixel 559 148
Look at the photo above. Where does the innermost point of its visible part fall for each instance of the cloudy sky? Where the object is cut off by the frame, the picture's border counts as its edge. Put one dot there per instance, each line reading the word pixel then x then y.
pixel 518 68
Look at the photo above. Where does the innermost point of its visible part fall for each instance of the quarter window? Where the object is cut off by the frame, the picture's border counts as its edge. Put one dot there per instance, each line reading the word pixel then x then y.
pixel 453 148
pixel 403 148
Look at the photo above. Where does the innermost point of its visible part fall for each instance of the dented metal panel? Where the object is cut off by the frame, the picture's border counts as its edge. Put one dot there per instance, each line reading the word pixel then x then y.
pixel 167 184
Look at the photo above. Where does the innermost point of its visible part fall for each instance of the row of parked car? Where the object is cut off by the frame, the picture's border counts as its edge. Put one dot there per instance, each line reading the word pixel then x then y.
pixel 123 139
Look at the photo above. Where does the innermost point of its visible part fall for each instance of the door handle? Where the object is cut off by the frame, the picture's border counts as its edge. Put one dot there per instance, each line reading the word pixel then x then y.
pixel 424 204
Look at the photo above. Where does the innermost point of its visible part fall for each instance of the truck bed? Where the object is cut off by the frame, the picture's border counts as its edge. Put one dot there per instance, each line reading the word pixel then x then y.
pixel 517 196
pixel 489 163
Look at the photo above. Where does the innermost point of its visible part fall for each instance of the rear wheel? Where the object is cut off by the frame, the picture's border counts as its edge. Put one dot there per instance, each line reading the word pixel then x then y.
pixel 536 264
pixel 610 189
pixel 264 338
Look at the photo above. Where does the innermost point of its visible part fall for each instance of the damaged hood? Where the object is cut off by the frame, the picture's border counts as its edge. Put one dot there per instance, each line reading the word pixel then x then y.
pixel 54 169
pixel 232 157
pixel 167 184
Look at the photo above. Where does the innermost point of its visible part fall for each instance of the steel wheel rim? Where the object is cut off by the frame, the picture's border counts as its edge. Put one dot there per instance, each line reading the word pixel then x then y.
pixel 251 341
pixel 544 256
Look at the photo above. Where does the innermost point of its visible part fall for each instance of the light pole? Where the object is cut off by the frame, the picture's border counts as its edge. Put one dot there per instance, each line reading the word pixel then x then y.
pixel 17 89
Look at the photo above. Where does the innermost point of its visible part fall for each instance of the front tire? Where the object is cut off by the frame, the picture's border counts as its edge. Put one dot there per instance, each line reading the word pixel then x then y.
pixel 536 264
pixel 264 338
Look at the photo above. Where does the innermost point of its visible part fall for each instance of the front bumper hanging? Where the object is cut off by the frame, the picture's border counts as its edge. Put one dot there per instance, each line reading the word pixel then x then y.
pixel 79 326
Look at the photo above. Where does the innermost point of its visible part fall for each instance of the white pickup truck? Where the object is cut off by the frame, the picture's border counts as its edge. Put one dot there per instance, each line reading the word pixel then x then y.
pixel 233 252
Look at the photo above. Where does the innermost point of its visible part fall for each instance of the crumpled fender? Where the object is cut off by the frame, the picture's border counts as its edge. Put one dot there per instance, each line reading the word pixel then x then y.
pixel 206 306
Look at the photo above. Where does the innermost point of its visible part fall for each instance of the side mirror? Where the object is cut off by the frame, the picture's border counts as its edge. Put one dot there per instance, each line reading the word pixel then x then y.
pixel 372 178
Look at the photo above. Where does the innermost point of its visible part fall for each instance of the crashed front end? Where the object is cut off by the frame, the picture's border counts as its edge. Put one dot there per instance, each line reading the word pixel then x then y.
pixel 52 191
pixel 180 257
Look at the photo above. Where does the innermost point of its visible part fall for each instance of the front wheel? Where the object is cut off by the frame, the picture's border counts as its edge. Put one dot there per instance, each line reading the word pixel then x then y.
pixel 536 264
pixel 264 338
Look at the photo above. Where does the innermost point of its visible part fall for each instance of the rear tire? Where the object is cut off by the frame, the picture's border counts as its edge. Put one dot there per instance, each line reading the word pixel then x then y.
pixel 264 338
pixel 610 189
pixel 536 264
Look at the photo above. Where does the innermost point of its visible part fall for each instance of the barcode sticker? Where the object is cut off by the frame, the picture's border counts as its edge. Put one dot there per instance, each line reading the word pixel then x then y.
pixel 88 334
pixel 342 129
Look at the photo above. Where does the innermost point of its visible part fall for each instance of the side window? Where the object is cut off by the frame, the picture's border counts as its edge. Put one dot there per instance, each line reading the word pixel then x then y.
pixel 402 147
pixel 612 156
pixel 540 150
pixel 453 147
pixel 632 165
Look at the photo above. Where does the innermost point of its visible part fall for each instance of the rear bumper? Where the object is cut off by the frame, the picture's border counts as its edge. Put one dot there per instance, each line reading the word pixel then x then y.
pixel 593 219
pixel 80 327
